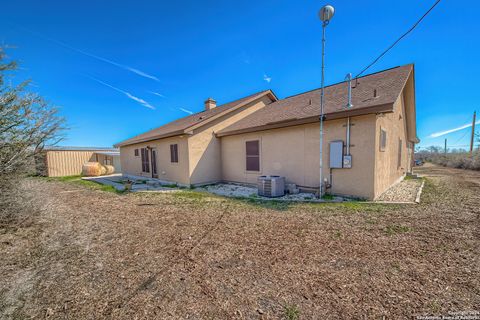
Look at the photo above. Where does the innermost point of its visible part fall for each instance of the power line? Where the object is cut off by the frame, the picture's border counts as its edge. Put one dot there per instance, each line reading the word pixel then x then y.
pixel 464 134
pixel 399 39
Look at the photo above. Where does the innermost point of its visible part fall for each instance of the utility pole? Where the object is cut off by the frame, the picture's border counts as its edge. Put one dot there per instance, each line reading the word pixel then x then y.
pixel 445 146
pixel 472 138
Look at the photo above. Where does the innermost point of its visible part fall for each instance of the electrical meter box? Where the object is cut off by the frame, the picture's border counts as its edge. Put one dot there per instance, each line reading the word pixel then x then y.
pixel 347 161
pixel 336 154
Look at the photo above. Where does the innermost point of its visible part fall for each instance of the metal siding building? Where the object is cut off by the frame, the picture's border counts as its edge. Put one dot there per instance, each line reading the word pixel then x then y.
pixel 68 161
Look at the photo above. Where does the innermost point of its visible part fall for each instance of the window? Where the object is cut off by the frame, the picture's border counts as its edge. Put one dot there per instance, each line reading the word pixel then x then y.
pixel 136 152
pixel 174 153
pixel 252 155
pixel 383 139
pixel 108 160
pixel 399 163
pixel 145 160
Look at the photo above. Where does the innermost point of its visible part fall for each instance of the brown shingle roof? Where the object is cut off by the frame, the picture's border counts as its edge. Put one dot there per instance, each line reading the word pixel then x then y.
pixel 298 108
pixel 181 125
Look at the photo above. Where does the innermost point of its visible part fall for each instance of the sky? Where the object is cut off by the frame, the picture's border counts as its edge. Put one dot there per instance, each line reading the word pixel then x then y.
pixel 120 68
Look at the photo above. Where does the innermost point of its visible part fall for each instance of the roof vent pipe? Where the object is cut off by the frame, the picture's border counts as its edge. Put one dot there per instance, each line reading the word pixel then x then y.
pixel 348 78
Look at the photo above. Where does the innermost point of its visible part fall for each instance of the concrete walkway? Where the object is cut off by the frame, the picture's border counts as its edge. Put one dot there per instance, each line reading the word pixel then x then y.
pixel 118 181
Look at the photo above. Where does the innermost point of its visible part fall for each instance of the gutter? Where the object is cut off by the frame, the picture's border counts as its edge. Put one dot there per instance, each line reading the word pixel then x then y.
pixel 167 135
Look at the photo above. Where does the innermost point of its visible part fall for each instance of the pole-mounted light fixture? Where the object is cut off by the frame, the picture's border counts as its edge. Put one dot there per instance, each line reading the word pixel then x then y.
pixel 325 14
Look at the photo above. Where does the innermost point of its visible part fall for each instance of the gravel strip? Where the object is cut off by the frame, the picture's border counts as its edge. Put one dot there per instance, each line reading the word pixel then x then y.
pixel 404 191
pixel 233 190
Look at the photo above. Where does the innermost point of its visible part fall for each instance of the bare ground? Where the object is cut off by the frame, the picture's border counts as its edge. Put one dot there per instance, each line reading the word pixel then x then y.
pixel 91 254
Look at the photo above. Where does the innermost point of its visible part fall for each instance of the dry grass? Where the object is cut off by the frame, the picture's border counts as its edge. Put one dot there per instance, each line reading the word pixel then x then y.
pixel 93 254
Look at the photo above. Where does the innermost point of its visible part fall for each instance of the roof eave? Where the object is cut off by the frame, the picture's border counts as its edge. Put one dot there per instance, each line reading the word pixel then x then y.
pixel 388 107
pixel 163 136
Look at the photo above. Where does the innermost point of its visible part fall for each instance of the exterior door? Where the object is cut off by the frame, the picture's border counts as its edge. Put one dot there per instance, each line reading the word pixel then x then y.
pixel 154 163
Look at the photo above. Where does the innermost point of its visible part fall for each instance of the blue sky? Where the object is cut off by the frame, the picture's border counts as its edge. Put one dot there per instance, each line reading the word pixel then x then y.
pixel 119 68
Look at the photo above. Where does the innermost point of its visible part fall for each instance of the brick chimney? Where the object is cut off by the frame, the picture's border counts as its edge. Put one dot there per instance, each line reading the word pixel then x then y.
pixel 210 104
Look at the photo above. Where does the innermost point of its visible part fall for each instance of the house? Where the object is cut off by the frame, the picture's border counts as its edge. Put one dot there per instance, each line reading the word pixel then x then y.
pixel 68 161
pixel 263 135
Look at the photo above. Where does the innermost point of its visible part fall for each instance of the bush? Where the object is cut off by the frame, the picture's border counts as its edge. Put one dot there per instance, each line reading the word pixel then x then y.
pixel 461 160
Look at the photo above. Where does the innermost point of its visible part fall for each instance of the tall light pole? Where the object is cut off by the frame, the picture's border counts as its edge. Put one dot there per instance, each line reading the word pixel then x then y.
pixel 325 14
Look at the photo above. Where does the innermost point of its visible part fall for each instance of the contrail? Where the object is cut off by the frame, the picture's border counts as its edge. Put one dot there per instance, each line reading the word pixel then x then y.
pixel 186 111
pixel 442 133
pixel 128 94
pixel 94 56
pixel 157 94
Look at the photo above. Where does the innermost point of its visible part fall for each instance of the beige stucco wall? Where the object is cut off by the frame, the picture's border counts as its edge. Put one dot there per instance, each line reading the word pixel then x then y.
pixel 199 156
pixel 293 152
pixel 387 171
pixel 168 171
pixel 205 149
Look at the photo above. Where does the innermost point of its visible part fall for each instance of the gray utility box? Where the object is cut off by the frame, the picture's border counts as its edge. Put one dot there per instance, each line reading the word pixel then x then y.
pixel 336 154
pixel 271 186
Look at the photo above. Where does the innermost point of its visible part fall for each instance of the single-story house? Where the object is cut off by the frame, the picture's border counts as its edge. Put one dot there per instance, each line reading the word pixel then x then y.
pixel 56 161
pixel 368 146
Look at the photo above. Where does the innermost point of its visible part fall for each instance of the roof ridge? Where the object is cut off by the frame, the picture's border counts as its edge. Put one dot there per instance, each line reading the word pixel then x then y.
pixel 337 83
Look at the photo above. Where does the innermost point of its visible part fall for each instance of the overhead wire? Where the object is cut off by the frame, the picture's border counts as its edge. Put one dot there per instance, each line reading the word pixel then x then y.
pixel 399 39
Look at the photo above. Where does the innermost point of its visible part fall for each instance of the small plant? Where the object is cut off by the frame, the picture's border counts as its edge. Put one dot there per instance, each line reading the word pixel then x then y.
pixel 128 185
pixel 328 197
pixel 291 312
pixel 396 267
pixel 394 229
pixel 338 234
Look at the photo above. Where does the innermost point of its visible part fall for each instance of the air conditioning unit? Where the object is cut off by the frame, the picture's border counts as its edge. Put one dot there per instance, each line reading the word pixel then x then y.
pixel 271 186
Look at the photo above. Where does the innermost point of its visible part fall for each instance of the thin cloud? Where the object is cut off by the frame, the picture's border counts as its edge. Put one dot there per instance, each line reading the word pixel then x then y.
pixel 442 133
pixel 186 111
pixel 267 78
pixel 94 56
pixel 157 94
pixel 128 94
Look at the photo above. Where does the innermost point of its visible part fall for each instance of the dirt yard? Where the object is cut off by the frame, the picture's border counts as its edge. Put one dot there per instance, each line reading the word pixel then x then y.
pixel 92 254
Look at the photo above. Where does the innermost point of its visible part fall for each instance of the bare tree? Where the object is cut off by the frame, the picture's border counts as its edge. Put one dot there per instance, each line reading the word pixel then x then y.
pixel 27 123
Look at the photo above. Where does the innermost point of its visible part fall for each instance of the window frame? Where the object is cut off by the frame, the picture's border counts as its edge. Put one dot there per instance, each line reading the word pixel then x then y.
pixel 108 160
pixel 174 153
pixel 382 145
pixel 145 160
pixel 136 153
pixel 400 151
pixel 252 156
